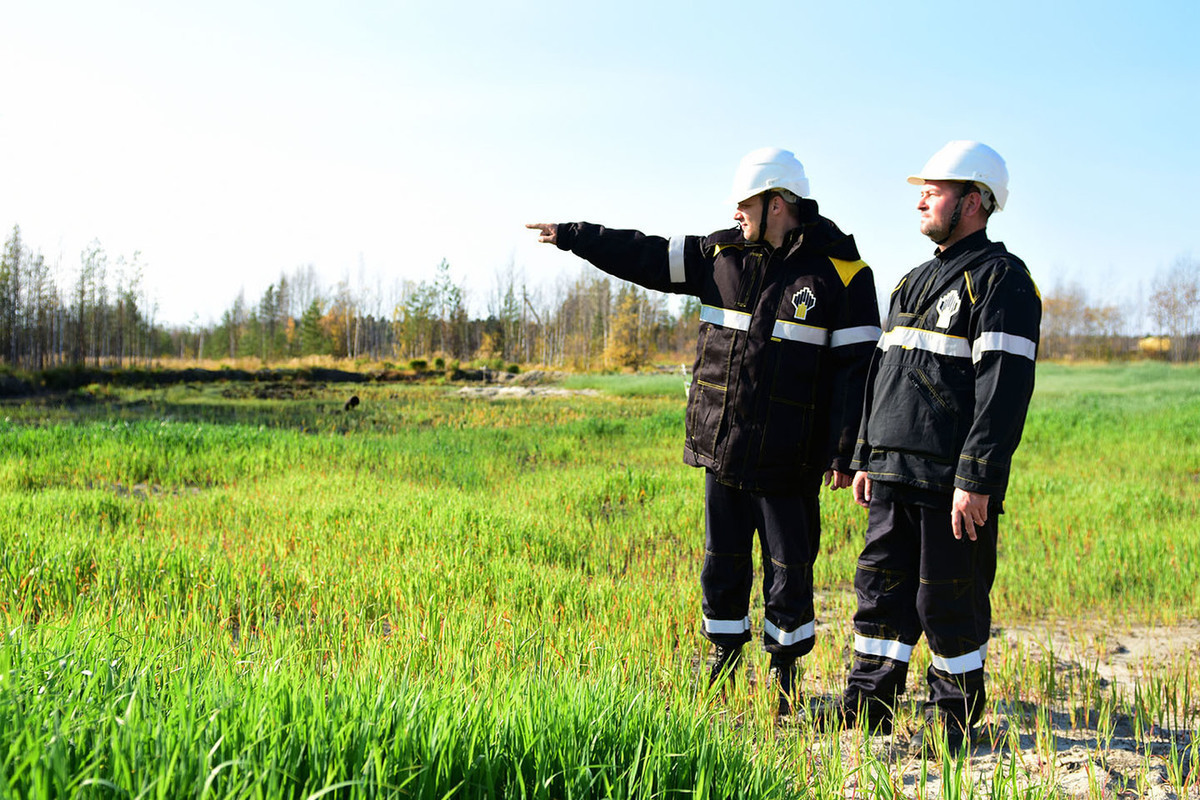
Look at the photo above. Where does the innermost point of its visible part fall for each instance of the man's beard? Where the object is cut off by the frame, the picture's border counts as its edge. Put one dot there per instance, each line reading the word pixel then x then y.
pixel 937 233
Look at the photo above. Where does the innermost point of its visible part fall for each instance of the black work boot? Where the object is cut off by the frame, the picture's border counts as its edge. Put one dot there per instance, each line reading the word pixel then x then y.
pixel 940 734
pixel 783 675
pixel 724 663
pixel 852 710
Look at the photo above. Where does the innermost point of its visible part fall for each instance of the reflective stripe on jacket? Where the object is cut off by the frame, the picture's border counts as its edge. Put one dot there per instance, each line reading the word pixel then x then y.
pixel 952 375
pixel 786 336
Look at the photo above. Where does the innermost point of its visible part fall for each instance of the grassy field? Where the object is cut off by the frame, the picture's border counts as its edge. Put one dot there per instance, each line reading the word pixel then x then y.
pixel 245 591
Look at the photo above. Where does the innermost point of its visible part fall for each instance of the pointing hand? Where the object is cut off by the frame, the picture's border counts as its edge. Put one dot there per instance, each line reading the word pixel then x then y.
pixel 548 231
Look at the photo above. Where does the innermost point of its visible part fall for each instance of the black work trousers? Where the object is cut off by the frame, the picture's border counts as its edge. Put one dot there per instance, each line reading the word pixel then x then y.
pixel 789 532
pixel 914 577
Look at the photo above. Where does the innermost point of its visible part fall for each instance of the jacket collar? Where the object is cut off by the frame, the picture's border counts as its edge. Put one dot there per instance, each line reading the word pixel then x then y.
pixel 968 244
pixel 819 235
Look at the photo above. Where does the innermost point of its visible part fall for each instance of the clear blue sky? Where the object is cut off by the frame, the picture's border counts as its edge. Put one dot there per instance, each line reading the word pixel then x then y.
pixel 229 142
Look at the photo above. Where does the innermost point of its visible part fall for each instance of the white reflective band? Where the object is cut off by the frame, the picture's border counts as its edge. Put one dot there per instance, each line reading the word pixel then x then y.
pixel 675 259
pixel 959 664
pixel 795 332
pixel 863 333
pixel 1005 343
pixel 940 343
pixel 806 631
pixel 738 320
pixel 727 625
pixel 886 648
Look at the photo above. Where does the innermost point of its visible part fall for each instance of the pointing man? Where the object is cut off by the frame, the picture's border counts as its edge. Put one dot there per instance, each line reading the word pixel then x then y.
pixel 788 323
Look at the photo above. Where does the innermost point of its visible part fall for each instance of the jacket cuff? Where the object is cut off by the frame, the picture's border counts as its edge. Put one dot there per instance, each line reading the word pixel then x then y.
pixel 978 486
pixel 564 235
pixel 862 455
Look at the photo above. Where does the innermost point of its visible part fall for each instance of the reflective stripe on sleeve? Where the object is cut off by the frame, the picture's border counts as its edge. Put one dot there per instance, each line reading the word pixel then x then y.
pixel 848 336
pixel 959 665
pixel 675 259
pixel 885 648
pixel 727 625
pixel 795 332
pixel 1004 343
pixel 806 631
pixel 725 318
pixel 915 338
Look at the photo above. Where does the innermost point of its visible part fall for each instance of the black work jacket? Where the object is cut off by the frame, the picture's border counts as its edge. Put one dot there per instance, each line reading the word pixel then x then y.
pixel 786 337
pixel 952 375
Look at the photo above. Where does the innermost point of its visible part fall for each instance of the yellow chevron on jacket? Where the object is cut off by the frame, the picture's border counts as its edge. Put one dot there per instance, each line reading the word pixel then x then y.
pixel 847 269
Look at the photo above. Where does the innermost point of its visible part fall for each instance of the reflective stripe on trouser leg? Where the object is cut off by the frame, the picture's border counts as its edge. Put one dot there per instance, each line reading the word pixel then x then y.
pixel 955 611
pixel 886 625
pixel 804 636
pixel 789 540
pixel 734 627
pixel 727 575
pixel 789 528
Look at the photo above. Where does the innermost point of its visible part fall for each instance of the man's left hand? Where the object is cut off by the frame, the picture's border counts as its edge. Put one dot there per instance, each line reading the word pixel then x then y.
pixel 836 479
pixel 968 511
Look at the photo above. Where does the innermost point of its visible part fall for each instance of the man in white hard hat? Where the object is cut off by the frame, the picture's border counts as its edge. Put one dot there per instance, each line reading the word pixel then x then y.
pixel 945 406
pixel 788 323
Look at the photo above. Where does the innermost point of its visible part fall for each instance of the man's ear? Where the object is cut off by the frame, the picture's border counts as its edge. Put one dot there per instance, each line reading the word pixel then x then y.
pixel 972 204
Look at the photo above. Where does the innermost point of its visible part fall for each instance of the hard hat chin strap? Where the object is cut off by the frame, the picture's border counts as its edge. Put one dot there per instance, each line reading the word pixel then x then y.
pixel 762 227
pixel 955 216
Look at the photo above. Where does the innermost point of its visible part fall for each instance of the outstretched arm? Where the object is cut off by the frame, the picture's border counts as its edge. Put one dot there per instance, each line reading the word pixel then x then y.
pixel 652 262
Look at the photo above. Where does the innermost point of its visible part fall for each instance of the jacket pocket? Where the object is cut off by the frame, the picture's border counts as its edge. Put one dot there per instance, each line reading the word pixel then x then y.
pixel 912 414
pixel 926 390
pixel 707 399
pixel 787 437
pixel 788 440
pixel 706 414
pixel 714 349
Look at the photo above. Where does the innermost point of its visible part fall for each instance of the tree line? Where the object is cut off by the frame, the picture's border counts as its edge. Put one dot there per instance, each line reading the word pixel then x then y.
pixel 589 322
pixel 107 319
pixel 104 319
pixel 1076 326
pixel 592 322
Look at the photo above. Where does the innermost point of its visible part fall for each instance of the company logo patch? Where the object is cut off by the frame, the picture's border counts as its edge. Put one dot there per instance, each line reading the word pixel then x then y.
pixel 803 301
pixel 947 306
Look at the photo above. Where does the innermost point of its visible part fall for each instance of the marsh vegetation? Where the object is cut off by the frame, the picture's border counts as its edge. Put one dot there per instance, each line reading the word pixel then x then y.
pixel 206 590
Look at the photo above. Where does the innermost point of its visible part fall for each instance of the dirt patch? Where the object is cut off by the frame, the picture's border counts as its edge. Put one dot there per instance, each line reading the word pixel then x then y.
pixel 1013 753
pixel 1067 752
pixel 519 392
pixel 144 491
pixel 1121 655
pixel 273 391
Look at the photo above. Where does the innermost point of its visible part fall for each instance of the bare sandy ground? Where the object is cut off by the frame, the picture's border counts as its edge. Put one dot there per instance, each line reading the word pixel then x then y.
pixel 1061 752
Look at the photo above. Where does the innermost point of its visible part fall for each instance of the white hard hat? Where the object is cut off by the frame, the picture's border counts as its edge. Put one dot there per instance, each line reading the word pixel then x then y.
pixel 964 160
pixel 768 168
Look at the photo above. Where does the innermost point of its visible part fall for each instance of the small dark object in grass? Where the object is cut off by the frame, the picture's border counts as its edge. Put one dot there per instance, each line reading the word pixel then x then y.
pixel 352 402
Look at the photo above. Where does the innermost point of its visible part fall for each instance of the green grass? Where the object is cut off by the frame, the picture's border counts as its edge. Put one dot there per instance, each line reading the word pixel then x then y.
pixel 172 717
pixel 235 592
pixel 669 384
pixel 1107 480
